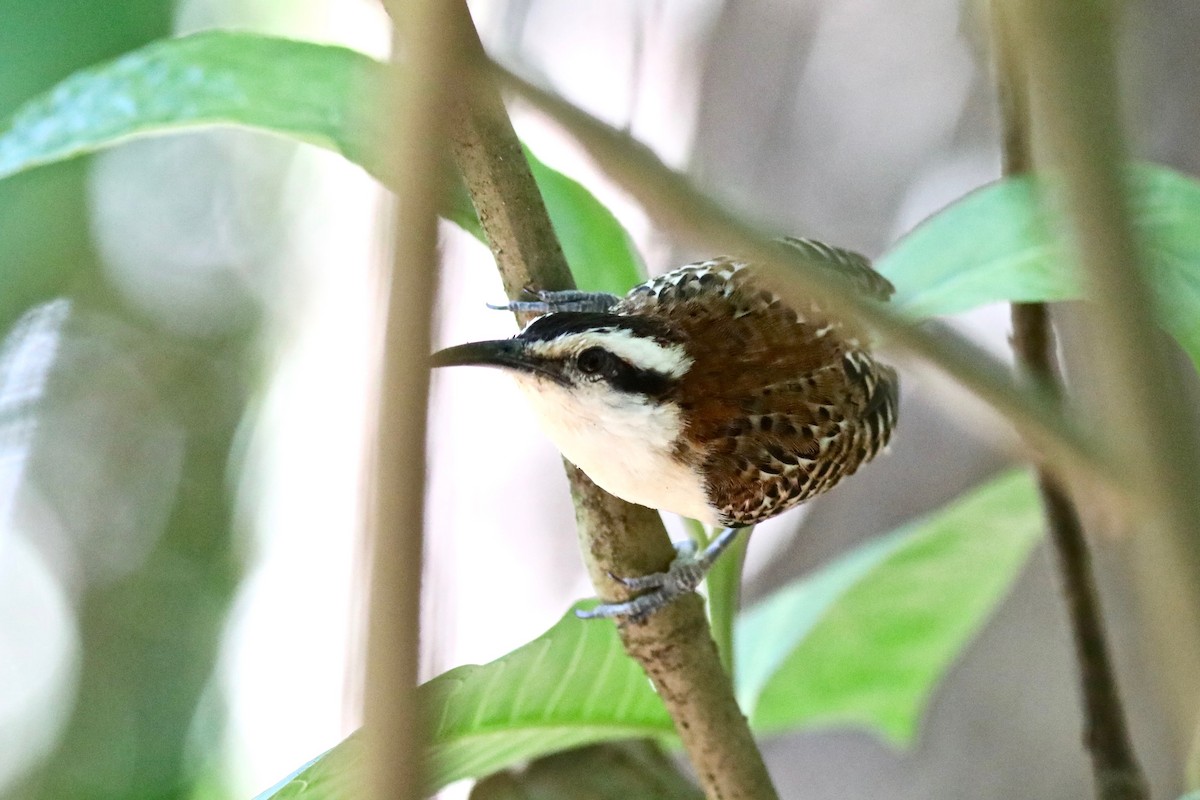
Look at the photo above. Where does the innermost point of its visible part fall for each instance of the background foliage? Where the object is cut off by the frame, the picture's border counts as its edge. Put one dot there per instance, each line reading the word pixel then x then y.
pixel 861 642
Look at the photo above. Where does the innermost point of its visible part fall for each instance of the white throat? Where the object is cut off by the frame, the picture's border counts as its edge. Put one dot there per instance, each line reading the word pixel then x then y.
pixel 623 442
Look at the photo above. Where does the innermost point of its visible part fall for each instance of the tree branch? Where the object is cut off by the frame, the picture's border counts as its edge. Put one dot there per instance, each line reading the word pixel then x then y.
pixel 393 721
pixel 1115 770
pixel 673 646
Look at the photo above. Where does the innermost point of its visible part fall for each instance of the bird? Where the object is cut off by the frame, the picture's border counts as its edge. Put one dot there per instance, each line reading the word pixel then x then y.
pixel 701 392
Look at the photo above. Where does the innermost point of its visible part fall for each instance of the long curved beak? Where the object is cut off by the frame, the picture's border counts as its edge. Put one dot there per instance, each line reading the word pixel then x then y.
pixel 499 353
pixel 504 353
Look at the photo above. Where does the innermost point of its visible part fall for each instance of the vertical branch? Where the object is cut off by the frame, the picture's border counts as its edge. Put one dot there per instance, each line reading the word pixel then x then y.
pixel 1016 117
pixel 1114 765
pixel 1068 47
pixel 674 646
pixel 393 720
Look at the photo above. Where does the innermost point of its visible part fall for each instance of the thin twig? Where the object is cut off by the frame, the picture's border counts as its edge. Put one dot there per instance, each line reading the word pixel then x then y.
pixel 1115 768
pixel 674 646
pixel 671 199
pixel 724 582
pixel 1069 50
pixel 1116 772
pixel 393 719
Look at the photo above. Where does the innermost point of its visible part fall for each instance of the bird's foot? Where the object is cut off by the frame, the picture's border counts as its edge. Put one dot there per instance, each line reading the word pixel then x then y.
pixel 683 576
pixel 548 302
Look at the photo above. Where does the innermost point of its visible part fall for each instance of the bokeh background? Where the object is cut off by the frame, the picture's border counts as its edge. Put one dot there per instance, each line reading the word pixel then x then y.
pixel 182 390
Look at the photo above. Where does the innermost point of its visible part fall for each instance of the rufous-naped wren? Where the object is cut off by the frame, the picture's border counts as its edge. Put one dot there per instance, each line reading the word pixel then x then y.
pixel 702 394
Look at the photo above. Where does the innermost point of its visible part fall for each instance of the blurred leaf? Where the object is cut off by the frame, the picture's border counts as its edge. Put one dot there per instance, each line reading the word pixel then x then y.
pixel 1002 243
pixel 865 641
pixel 314 93
pixel 44 245
pixel 614 771
pixel 571 686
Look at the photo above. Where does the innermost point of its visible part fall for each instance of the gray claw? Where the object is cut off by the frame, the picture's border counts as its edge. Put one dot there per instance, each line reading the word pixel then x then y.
pixel 640 583
pixel 637 609
pixel 683 576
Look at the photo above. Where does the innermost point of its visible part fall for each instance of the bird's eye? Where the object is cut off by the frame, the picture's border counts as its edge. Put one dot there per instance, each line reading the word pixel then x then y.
pixel 592 360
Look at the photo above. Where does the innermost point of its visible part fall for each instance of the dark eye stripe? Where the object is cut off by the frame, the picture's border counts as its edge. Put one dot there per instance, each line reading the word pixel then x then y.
pixel 630 379
pixel 606 366
pixel 618 373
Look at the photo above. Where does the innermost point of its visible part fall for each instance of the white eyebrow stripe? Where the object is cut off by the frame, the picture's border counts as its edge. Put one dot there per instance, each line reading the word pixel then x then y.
pixel 671 360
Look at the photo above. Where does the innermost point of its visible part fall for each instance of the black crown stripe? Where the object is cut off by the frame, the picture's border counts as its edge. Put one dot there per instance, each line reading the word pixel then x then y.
pixel 561 323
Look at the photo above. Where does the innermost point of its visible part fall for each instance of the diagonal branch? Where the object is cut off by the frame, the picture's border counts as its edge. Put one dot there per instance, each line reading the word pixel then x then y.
pixel 674 646
pixel 676 204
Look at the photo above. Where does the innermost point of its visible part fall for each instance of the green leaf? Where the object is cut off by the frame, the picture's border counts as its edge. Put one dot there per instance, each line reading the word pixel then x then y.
pixel 313 93
pixel 597 247
pixel 571 686
pixel 1004 243
pixel 310 92
pixel 864 641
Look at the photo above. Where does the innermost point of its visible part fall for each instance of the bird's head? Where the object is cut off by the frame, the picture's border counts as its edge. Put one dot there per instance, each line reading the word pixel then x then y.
pixel 590 359
pixel 605 389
